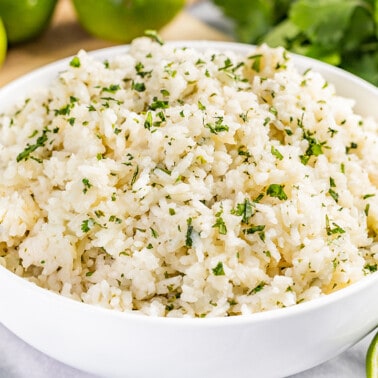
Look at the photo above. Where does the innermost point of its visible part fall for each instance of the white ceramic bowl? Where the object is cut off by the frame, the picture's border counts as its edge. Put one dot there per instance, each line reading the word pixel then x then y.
pixel 112 344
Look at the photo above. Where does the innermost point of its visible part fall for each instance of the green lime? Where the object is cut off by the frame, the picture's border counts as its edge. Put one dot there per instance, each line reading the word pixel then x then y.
pixel 372 359
pixel 25 19
pixel 123 20
pixel 3 42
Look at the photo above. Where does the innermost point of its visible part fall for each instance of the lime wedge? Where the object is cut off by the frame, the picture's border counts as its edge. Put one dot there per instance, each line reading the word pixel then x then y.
pixel 372 359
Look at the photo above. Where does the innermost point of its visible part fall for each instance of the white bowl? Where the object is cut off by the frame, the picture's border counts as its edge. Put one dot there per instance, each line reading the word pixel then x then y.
pixel 113 344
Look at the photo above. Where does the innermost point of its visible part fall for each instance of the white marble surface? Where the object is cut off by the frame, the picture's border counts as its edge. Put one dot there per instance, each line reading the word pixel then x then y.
pixel 19 360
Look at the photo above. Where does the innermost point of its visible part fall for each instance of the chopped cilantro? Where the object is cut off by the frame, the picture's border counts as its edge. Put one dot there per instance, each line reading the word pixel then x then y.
pixel 154 36
pixel 75 62
pixel 87 224
pixel 254 229
pixel 189 231
pixel 257 288
pixel 87 185
pixel 218 270
pixel 217 127
pixel 277 191
pixel 40 142
pixel 139 87
pixel 244 209
pixel 220 225
pixel 276 153
pixel 333 194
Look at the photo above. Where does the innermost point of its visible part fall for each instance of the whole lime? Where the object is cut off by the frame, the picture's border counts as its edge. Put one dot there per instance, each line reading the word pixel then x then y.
pixel 25 19
pixel 372 359
pixel 123 20
pixel 3 43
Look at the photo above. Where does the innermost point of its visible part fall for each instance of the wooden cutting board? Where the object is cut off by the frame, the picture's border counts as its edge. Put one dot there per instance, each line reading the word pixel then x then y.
pixel 65 37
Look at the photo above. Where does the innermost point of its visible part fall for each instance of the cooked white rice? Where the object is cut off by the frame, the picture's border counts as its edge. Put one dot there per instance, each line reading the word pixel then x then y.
pixel 180 183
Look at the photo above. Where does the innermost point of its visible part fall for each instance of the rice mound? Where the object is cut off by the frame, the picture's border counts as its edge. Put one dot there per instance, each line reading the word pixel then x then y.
pixel 177 183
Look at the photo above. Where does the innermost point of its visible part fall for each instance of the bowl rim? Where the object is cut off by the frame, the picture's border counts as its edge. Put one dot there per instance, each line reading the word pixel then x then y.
pixel 281 313
pixel 275 314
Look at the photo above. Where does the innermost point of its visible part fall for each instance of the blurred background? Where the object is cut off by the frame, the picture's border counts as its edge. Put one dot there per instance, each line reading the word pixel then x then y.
pixel 340 32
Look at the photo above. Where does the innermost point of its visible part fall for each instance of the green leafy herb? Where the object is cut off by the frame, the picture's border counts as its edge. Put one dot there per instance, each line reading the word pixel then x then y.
pixel 329 30
pixel 158 104
pixel 244 209
pixel 148 121
pixel 333 194
pixel 276 153
pixel 257 288
pixel 40 142
pixel 217 127
pixel 87 224
pixel 371 267
pixel 189 231
pixel 139 87
pixel 220 225
pixel 87 185
pixel 253 229
pixel 154 36
pixel 154 233
pixel 172 211
pixel 75 62
pixel 256 62
pixel 135 175
pixel 336 229
pixel 218 270
pixel 277 191
pixel 113 88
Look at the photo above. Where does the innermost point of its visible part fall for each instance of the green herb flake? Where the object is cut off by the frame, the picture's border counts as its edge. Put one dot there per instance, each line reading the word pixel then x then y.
pixel 87 185
pixel 40 142
pixel 189 232
pixel 254 229
pixel 366 196
pixel 276 153
pixel 220 224
pixel 148 121
pixel 154 233
pixel 256 64
pixel 334 195
pixel 257 288
pixel 244 209
pixel 154 36
pixel 217 127
pixel 367 208
pixel 352 146
pixel 139 87
pixel 371 267
pixel 113 88
pixel 99 213
pixel 201 106
pixel 336 229
pixel 164 92
pixel 277 191
pixel 75 62
pixel 64 110
pixel 172 211
pixel 158 104
pixel 135 175
pixel 87 225
pixel 218 270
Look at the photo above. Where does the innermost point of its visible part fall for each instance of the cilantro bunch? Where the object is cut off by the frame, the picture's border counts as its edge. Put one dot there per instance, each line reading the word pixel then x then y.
pixel 340 32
